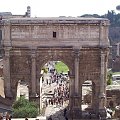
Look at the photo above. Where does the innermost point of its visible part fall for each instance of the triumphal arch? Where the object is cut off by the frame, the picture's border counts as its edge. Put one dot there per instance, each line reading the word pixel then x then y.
pixel 81 43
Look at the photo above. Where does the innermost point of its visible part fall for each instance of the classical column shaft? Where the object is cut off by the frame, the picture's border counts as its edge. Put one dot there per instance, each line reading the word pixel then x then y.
pixel 102 80
pixel 6 72
pixel 71 89
pixel 33 74
pixel 118 52
pixel 102 72
pixel 77 93
pixel 77 75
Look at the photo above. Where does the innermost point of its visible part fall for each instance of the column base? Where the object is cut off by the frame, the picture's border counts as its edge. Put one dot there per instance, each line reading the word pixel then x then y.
pixel 9 95
pixel 102 114
pixel 77 114
pixel 74 114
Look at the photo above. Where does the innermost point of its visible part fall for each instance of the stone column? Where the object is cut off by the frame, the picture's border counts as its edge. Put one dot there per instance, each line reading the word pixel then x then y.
pixel 71 89
pixel 77 72
pixel 71 97
pixel 33 73
pixel 77 94
pixel 95 97
pixel 102 96
pixel 6 72
pixel 39 90
pixel 102 81
pixel 118 48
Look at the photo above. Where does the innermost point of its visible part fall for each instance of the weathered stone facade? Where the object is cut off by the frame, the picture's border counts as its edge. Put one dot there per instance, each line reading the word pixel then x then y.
pixel 5 105
pixel 81 43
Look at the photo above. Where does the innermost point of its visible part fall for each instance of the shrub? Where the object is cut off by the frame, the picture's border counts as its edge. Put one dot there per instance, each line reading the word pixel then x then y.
pixel 23 108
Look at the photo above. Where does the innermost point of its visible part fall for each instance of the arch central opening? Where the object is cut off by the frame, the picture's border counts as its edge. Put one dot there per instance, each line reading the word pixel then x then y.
pixel 54 87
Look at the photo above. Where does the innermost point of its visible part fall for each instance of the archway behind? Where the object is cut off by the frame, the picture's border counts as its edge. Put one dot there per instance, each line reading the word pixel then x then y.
pixel 54 87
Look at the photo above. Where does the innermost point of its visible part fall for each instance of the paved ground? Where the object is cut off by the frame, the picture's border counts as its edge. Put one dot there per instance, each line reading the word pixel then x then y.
pixel 38 118
pixel 56 112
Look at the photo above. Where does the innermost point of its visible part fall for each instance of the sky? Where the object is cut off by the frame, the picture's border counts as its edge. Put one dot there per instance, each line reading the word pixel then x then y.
pixel 56 8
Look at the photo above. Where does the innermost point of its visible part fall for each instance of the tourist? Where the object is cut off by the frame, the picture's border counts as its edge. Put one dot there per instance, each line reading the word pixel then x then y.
pixel 8 116
pixel 50 118
pixel 90 115
pixel 65 113
pixel 1 116
pixel 46 103
pixel 26 118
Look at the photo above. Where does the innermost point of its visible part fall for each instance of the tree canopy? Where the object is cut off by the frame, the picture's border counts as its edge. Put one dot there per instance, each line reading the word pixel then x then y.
pixel 23 108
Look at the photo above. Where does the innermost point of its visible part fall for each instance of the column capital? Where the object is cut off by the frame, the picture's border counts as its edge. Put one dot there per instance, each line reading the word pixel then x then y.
pixel 77 53
pixel 102 52
pixel 7 54
pixel 104 49
pixel 102 95
pixel 7 51
pixel 33 53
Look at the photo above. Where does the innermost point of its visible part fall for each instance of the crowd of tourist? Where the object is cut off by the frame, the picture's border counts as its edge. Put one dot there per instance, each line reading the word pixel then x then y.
pixel 61 95
pixel 5 116
pixel 60 91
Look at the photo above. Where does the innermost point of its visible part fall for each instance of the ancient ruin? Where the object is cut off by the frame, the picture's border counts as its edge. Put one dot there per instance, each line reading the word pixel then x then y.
pixel 81 43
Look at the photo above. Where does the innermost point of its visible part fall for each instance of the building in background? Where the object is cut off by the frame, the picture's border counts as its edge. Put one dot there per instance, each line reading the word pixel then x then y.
pixel 7 15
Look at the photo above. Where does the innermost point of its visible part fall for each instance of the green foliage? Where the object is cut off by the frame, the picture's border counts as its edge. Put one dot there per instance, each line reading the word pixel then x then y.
pixel 111 15
pixel 23 108
pixel 61 67
pixel 109 78
pixel 109 82
pixel 114 30
pixel 115 73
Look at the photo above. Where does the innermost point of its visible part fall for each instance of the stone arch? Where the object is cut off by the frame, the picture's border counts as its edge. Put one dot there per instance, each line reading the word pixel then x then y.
pixel 41 59
pixel 44 56
pixel 14 83
pixel 81 43
pixel 93 96
pixel 46 60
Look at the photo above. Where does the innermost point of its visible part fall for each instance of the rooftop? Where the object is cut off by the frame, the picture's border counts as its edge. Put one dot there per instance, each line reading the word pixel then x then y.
pixel 71 20
pixel 5 13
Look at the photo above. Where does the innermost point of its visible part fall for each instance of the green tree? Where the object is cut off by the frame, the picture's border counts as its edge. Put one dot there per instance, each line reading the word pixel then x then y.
pixel 23 108
pixel 61 67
